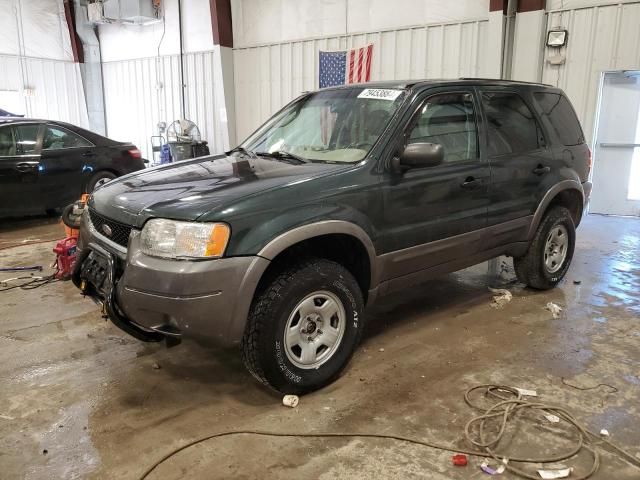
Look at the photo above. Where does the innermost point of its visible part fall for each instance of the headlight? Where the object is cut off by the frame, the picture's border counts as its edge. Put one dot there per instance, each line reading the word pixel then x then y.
pixel 173 239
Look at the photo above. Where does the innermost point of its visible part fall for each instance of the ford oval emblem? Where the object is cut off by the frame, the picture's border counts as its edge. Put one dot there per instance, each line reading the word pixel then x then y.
pixel 107 230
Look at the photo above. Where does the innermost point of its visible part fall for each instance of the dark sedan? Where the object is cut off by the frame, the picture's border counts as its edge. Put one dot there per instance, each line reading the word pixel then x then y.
pixel 45 165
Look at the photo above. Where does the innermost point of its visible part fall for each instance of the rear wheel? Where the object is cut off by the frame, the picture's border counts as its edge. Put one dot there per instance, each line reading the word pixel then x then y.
pixel 304 327
pixel 550 252
pixel 99 179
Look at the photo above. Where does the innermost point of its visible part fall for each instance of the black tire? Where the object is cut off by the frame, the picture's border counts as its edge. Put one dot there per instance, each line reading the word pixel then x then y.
pixel 66 217
pixel 531 268
pixel 263 346
pixel 99 177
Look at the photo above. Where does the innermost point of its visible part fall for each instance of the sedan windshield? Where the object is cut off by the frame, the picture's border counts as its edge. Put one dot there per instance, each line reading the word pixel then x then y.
pixel 339 125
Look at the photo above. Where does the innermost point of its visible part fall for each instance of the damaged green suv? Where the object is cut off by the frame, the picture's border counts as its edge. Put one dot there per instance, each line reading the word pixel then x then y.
pixel 343 196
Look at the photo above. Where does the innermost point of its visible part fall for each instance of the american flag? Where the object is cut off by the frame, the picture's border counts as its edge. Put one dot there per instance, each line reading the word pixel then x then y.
pixel 345 66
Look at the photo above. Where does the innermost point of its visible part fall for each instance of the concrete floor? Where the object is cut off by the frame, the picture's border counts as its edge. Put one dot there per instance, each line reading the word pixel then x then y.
pixel 76 387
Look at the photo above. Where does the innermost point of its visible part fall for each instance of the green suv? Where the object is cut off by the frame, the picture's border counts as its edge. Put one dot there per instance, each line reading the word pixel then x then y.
pixel 343 196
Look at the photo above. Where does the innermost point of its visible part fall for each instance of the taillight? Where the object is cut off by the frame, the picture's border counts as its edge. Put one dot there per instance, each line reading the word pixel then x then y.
pixel 589 161
pixel 134 153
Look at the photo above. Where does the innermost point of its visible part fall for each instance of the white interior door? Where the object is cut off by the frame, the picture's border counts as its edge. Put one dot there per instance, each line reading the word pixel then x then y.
pixel 616 157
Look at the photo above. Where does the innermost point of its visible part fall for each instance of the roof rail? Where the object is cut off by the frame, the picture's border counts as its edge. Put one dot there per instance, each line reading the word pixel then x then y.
pixel 506 81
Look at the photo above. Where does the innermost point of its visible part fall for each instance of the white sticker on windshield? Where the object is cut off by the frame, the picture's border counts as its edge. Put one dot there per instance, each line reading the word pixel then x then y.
pixel 380 93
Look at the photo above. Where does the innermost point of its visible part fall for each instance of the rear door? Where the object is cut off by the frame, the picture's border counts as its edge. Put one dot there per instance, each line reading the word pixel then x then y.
pixel 431 213
pixel 64 164
pixel 19 168
pixel 520 163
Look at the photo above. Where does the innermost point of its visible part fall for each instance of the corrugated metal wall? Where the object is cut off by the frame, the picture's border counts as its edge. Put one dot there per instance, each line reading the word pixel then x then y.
pixel 605 37
pixel 56 85
pixel 268 76
pixel 134 104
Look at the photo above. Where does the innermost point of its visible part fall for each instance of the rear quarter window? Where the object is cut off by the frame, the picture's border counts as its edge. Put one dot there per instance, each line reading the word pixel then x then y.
pixel 557 109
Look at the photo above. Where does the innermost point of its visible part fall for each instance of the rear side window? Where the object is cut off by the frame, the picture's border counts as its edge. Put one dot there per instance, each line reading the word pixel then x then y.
pixel 511 126
pixel 562 117
pixel 56 138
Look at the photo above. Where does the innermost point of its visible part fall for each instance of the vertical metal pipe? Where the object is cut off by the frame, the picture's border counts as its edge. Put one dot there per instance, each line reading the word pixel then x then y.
pixel 508 39
pixel 182 86
pixel 91 70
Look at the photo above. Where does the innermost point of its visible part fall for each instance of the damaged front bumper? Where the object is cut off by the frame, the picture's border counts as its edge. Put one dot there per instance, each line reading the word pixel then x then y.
pixel 95 275
pixel 155 299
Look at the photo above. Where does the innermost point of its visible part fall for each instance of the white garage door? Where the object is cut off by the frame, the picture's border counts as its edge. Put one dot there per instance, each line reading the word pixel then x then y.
pixel 616 170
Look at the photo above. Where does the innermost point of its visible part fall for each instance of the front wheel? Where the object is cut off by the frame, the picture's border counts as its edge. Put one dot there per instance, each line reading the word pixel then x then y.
pixel 99 179
pixel 303 327
pixel 550 252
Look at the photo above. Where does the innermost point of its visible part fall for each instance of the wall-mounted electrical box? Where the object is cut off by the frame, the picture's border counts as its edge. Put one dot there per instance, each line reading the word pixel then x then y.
pixel 95 12
pixel 139 12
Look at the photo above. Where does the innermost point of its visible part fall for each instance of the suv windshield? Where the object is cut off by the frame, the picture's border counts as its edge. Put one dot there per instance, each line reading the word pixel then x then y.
pixel 339 125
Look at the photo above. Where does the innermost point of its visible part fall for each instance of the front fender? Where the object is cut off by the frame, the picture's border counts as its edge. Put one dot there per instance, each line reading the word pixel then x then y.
pixel 272 244
pixel 324 227
pixel 270 238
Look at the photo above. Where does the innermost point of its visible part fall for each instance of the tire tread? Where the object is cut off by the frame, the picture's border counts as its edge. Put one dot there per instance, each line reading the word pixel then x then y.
pixel 259 318
pixel 528 267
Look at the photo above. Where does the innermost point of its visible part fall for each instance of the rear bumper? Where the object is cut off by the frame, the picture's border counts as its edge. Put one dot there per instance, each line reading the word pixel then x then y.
pixel 208 300
pixel 586 189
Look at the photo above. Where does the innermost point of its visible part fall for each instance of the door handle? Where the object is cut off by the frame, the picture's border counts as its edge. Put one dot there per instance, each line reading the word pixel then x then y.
pixel 470 183
pixel 88 154
pixel 25 167
pixel 540 170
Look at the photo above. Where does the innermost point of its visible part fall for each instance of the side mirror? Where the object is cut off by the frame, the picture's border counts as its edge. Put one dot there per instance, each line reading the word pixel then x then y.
pixel 419 155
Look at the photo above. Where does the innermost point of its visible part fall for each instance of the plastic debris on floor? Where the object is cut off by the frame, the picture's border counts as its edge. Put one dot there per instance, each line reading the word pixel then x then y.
pixel 290 401
pixel 552 474
pixel 555 309
pixel 527 392
pixel 459 460
pixel 486 468
pixel 552 418
pixel 501 297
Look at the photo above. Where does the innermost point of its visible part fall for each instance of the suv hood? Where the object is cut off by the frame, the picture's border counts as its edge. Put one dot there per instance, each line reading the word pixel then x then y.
pixel 189 189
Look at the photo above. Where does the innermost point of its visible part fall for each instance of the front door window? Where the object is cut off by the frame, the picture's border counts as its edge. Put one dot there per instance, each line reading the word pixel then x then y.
pixel 450 120
pixel 17 140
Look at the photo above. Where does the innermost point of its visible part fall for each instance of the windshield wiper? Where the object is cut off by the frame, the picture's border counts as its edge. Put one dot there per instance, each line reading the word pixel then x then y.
pixel 248 153
pixel 280 154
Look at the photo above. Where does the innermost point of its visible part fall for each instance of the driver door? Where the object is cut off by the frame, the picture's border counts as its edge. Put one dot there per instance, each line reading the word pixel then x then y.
pixel 434 215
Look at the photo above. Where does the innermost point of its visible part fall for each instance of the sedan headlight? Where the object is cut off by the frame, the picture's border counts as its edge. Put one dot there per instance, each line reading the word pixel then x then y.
pixel 173 239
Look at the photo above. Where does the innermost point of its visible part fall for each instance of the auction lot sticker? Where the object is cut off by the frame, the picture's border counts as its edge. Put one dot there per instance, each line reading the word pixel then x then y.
pixel 380 93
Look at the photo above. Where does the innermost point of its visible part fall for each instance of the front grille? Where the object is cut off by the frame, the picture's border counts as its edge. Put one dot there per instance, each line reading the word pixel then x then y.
pixel 119 231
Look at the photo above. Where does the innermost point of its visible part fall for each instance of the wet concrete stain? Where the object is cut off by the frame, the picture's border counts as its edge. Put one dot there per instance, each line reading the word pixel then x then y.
pixel 75 386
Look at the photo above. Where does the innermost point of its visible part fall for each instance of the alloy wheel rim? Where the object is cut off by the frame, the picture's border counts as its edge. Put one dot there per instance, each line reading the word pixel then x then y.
pixel 314 329
pixel 555 248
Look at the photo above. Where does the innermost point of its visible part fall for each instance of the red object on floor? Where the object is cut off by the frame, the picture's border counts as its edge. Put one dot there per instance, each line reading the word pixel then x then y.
pixel 65 251
pixel 459 460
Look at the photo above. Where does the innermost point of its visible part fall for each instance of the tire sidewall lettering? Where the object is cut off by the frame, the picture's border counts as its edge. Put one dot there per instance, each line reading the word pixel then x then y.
pixel 354 306
pixel 280 359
